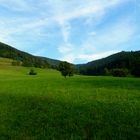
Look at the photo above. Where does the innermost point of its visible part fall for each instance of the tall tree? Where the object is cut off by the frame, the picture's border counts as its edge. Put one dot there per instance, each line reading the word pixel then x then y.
pixel 66 69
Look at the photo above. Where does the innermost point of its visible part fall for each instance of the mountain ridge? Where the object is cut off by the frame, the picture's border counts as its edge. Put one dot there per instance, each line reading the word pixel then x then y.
pixel 27 59
pixel 123 60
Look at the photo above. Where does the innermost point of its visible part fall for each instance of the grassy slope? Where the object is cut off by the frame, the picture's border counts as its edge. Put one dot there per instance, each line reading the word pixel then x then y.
pixel 47 106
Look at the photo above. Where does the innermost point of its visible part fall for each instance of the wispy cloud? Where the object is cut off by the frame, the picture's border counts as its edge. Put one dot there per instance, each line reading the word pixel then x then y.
pixel 77 31
pixel 119 33
pixel 66 48
pixel 65 29
pixel 91 57
pixel 73 57
pixel 98 45
pixel 16 5
pixel 64 10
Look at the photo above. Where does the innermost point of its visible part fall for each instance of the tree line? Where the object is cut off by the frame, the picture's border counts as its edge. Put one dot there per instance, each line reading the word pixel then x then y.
pixel 23 58
pixel 121 64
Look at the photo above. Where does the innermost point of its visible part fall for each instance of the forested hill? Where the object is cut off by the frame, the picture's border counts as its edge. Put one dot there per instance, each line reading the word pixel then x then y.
pixel 122 60
pixel 26 59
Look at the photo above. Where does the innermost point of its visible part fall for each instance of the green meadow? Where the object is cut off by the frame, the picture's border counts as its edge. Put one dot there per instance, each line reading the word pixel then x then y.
pixel 47 106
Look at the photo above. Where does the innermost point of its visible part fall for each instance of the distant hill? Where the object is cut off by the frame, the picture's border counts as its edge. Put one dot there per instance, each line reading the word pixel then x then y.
pixel 26 59
pixel 122 60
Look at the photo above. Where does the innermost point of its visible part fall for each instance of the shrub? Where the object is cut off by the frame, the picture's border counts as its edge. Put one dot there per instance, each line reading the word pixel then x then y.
pixel 32 72
pixel 119 72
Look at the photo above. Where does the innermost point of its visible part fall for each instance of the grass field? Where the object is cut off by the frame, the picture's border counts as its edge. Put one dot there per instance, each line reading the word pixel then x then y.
pixel 50 107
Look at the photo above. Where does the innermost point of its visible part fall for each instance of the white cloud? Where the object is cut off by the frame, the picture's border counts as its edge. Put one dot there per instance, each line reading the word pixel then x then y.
pixel 41 16
pixel 17 31
pixel 60 11
pixel 16 5
pixel 64 11
pixel 91 57
pixel 66 48
pixel 83 57
pixel 92 33
pixel 69 58
pixel 119 33
pixel 65 29
pixel 67 10
pixel 99 45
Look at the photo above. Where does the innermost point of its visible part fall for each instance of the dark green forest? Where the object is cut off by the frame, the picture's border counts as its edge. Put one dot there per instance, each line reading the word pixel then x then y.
pixel 125 62
pixel 26 59
pixel 121 64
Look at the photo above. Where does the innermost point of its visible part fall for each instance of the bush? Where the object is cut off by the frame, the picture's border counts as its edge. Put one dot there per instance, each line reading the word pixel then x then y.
pixel 119 72
pixel 32 72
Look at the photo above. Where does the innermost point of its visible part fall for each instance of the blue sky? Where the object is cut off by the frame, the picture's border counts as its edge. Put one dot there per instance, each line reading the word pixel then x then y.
pixel 77 31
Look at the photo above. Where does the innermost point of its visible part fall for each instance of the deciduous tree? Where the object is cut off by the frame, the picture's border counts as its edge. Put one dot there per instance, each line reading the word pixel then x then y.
pixel 66 69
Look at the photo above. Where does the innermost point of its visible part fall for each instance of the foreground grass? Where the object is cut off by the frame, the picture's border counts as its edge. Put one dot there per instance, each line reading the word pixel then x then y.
pixel 47 106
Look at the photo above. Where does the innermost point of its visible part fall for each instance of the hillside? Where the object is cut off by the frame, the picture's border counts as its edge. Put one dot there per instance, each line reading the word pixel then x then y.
pixel 5 61
pixel 26 59
pixel 48 107
pixel 123 60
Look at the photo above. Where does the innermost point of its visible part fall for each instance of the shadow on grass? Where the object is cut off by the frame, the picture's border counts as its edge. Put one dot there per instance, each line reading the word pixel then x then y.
pixel 110 82
pixel 42 117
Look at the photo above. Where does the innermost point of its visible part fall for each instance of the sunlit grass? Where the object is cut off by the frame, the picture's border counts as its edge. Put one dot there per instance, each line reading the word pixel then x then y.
pixel 48 106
